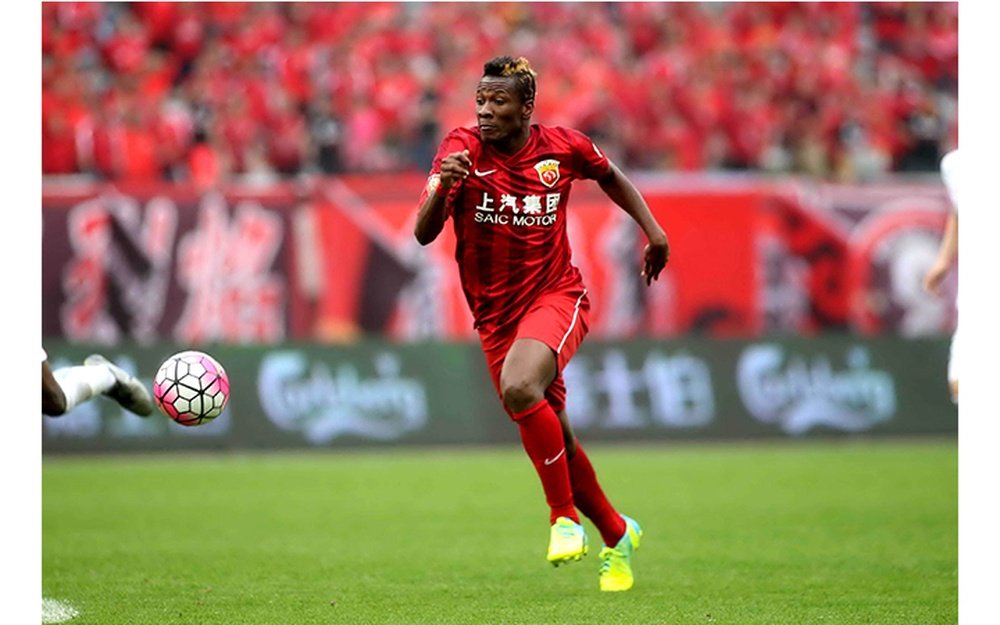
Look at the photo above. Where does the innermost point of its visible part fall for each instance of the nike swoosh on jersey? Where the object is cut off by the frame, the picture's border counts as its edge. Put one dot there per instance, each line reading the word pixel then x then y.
pixel 484 173
pixel 549 461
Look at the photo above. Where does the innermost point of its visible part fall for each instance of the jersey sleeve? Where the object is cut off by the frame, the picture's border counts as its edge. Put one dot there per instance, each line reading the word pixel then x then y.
pixel 453 142
pixel 591 161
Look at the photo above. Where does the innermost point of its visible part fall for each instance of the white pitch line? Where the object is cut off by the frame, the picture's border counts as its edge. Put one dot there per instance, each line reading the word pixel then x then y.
pixel 54 611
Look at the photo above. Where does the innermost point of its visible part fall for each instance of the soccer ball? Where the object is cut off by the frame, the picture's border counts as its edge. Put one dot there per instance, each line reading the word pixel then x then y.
pixel 191 388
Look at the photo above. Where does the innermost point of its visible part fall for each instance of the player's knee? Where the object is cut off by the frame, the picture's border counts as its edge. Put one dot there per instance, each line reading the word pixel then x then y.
pixel 520 394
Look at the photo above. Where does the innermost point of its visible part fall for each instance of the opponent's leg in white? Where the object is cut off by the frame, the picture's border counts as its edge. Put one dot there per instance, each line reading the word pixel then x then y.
pixel 99 376
pixel 127 390
pixel 80 383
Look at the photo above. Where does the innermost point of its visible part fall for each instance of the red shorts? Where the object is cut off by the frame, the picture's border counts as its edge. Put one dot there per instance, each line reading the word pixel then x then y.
pixel 559 319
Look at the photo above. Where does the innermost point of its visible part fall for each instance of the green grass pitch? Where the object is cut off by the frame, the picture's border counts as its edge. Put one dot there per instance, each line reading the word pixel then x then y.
pixel 772 533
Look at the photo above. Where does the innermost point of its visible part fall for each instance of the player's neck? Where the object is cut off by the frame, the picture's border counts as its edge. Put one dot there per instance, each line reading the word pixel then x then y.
pixel 513 143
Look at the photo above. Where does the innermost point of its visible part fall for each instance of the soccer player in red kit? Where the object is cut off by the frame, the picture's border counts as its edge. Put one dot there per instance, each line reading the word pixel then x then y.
pixel 506 184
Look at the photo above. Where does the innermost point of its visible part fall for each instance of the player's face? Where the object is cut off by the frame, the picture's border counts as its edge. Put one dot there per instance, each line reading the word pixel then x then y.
pixel 500 113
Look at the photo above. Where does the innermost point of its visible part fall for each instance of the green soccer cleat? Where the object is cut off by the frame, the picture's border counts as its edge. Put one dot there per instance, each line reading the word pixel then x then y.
pixel 128 391
pixel 616 562
pixel 567 541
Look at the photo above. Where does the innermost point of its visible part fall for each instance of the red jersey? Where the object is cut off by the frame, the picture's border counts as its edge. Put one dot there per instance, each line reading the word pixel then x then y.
pixel 510 218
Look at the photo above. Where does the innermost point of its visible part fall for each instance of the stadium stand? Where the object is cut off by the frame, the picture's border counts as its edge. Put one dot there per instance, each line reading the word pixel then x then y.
pixel 198 92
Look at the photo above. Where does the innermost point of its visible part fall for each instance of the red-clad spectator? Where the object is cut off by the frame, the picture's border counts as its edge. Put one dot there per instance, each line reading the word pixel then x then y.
pixel 141 155
pixel 684 145
pixel 49 28
pixel 296 60
pixel 211 80
pixel 395 90
pixel 362 133
pixel 257 30
pixel 59 154
pixel 142 161
pixel 287 140
pixel 125 49
pixel 329 21
pixel 108 137
pixel 207 163
pixel 66 44
pixel 238 132
pixel 889 23
pixel 644 21
pixel 188 34
pixel 77 16
pixel 174 131
pixel 156 76
pixel 159 20
pixel 225 15
pixel 64 117
pixel 259 85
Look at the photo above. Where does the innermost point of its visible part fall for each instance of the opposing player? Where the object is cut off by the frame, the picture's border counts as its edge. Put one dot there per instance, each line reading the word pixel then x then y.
pixel 506 184
pixel 67 387
pixel 947 254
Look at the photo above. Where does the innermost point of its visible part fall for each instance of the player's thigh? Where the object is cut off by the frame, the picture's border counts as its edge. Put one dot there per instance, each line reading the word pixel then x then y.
pixel 560 320
pixel 495 346
pixel 529 363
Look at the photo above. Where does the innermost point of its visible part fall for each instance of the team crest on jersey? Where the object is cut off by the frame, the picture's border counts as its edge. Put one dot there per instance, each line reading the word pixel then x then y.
pixel 548 172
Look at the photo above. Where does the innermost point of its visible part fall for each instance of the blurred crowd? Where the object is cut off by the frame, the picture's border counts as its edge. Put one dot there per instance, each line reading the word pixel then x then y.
pixel 198 92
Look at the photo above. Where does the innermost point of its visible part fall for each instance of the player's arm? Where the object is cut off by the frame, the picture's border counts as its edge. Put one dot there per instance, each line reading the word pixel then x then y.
pixel 433 211
pixel 947 253
pixel 623 193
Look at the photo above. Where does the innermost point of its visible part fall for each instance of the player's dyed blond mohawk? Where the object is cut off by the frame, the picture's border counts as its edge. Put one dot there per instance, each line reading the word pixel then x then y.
pixel 519 69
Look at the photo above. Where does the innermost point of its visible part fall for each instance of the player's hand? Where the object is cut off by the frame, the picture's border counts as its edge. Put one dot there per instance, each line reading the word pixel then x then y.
pixel 454 168
pixel 935 277
pixel 655 257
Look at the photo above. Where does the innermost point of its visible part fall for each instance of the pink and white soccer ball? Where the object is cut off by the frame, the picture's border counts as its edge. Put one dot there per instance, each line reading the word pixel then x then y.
pixel 191 388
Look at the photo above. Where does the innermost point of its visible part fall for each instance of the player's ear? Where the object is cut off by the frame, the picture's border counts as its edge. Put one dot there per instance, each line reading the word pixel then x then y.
pixel 527 109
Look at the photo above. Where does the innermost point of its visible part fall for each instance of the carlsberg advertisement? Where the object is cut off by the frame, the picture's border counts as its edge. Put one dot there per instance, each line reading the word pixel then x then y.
pixel 378 393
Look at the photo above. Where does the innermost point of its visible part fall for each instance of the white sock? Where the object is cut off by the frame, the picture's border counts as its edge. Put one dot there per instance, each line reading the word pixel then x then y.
pixel 83 382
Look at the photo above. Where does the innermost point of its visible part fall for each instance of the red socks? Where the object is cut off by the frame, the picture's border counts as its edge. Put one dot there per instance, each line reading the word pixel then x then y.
pixel 590 499
pixel 569 483
pixel 542 437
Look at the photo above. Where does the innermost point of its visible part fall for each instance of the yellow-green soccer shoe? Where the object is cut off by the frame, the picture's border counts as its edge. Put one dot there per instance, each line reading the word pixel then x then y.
pixel 616 562
pixel 567 541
